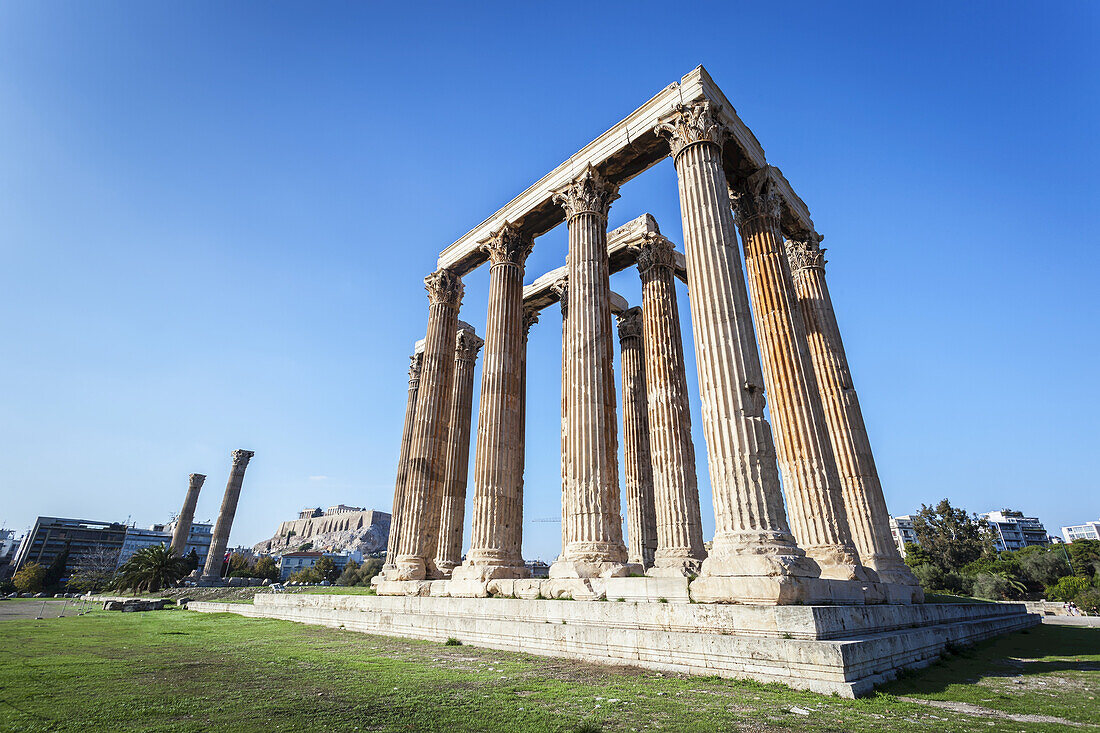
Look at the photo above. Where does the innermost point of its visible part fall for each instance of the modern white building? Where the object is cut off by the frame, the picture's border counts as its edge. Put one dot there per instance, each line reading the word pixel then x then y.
pixel 902 530
pixel 1086 531
pixel 198 539
pixel 1013 531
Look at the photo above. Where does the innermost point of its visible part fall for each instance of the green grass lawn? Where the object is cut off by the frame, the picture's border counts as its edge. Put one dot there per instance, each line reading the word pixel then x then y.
pixel 175 670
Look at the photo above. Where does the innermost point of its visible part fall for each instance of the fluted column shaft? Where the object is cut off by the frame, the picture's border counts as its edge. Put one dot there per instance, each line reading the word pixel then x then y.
pixel 592 542
pixel 219 540
pixel 675 487
pixel 498 463
pixel 420 511
pixel 868 516
pixel 562 289
pixel 752 537
pixel 806 460
pixel 187 514
pixel 453 511
pixel 641 518
pixel 402 462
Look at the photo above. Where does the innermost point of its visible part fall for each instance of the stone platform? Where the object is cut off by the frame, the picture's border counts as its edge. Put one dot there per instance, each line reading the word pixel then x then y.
pixel 828 649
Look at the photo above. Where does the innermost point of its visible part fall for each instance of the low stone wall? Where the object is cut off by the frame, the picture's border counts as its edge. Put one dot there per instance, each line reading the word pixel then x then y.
pixel 844 650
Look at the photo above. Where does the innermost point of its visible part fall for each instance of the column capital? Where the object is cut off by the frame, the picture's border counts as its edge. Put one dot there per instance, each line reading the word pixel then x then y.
pixel 589 192
pixel 656 251
pixel 467 344
pixel 530 318
pixel 242 457
pixel 561 288
pixel 508 245
pixel 195 480
pixel 630 323
pixel 805 253
pixel 690 124
pixel 444 288
pixel 416 363
pixel 756 196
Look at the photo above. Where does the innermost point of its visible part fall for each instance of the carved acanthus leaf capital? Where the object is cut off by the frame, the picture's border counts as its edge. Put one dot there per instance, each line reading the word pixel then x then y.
pixel 416 363
pixel 756 196
pixel 561 288
pixel 508 245
pixel 467 344
pixel 692 123
pixel 589 192
pixel 530 318
pixel 630 323
pixel 805 253
pixel 655 251
pixel 242 457
pixel 195 480
pixel 444 288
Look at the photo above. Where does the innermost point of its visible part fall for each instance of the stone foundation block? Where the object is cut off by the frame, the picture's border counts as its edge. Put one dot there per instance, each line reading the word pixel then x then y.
pixel 648 590
pixel 578 589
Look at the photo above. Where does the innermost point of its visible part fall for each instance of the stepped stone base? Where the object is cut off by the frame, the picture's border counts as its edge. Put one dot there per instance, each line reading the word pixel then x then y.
pixel 829 649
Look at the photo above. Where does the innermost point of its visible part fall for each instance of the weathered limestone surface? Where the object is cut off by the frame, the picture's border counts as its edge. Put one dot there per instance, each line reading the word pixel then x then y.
pixel 420 511
pixel 641 517
pixel 842 650
pixel 752 539
pixel 810 480
pixel 676 492
pixel 220 538
pixel 868 517
pixel 498 464
pixel 592 543
pixel 416 361
pixel 187 514
pixel 452 512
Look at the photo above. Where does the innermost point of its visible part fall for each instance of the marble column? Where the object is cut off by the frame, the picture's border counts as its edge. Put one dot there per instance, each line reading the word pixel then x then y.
pixel 498 465
pixel 402 462
pixel 806 460
pixel 562 290
pixel 453 511
pixel 187 514
pixel 754 556
pixel 220 539
pixel 641 518
pixel 592 541
pixel 530 318
pixel 418 538
pixel 675 488
pixel 868 517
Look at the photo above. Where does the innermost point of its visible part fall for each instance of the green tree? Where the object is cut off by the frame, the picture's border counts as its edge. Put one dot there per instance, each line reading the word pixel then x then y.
pixel 150 569
pixel 1085 557
pixel 916 555
pixel 371 566
pixel 305 547
pixel 29 578
pixel 326 568
pixel 266 568
pixel 1089 601
pixel 192 559
pixel 306 575
pixel 1067 588
pixel 950 536
pixel 1043 567
pixel 350 576
pixel 56 571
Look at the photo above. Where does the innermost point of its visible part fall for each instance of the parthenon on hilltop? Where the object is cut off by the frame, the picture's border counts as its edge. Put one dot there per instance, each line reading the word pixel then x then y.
pixel 802 582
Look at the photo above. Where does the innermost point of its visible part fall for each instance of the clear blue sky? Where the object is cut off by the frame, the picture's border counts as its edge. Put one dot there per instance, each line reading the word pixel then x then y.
pixel 215 218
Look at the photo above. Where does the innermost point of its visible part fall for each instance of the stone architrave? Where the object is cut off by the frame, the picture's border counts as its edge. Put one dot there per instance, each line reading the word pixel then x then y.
pixel 675 487
pixel 868 517
pixel 592 542
pixel 498 464
pixel 754 556
pixel 641 518
pixel 187 514
pixel 452 513
pixel 219 540
pixel 416 360
pixel 427 463
pixel 806 462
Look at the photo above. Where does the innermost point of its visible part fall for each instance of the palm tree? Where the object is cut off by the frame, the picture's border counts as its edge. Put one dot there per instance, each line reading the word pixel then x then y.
pixel 151 568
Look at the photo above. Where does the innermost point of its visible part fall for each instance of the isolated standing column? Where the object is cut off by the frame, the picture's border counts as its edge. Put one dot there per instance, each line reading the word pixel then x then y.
pixel 675 488
pixel 187 514
pixel 220 539
pixel 641 519
pixel 754 555
pixel 402 461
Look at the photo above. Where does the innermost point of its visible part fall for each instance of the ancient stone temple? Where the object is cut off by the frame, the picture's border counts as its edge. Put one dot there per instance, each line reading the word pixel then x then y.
pixel 802 582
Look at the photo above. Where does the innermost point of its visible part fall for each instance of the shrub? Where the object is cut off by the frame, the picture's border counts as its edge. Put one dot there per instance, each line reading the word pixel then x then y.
pixel 1089 601
pixel 451 641
pixel 996 587
pixel 1067 588
pixel 1044 568
pixel 29 578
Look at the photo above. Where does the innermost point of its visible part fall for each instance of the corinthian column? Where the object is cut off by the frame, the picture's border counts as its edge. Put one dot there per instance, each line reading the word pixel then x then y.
pixel 806 458
pixel 417 540
pixel 754 557
pixel 187 514
pixel 498 465
pixel 402 463
pixel 641 520
pixel 592 541
pixel 866 506
pixel 220 539
pixel 452 513
pixel 676 492
pixel 562 289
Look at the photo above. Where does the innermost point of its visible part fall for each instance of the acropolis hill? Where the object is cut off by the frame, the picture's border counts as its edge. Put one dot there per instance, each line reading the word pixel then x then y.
pixel 339 528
